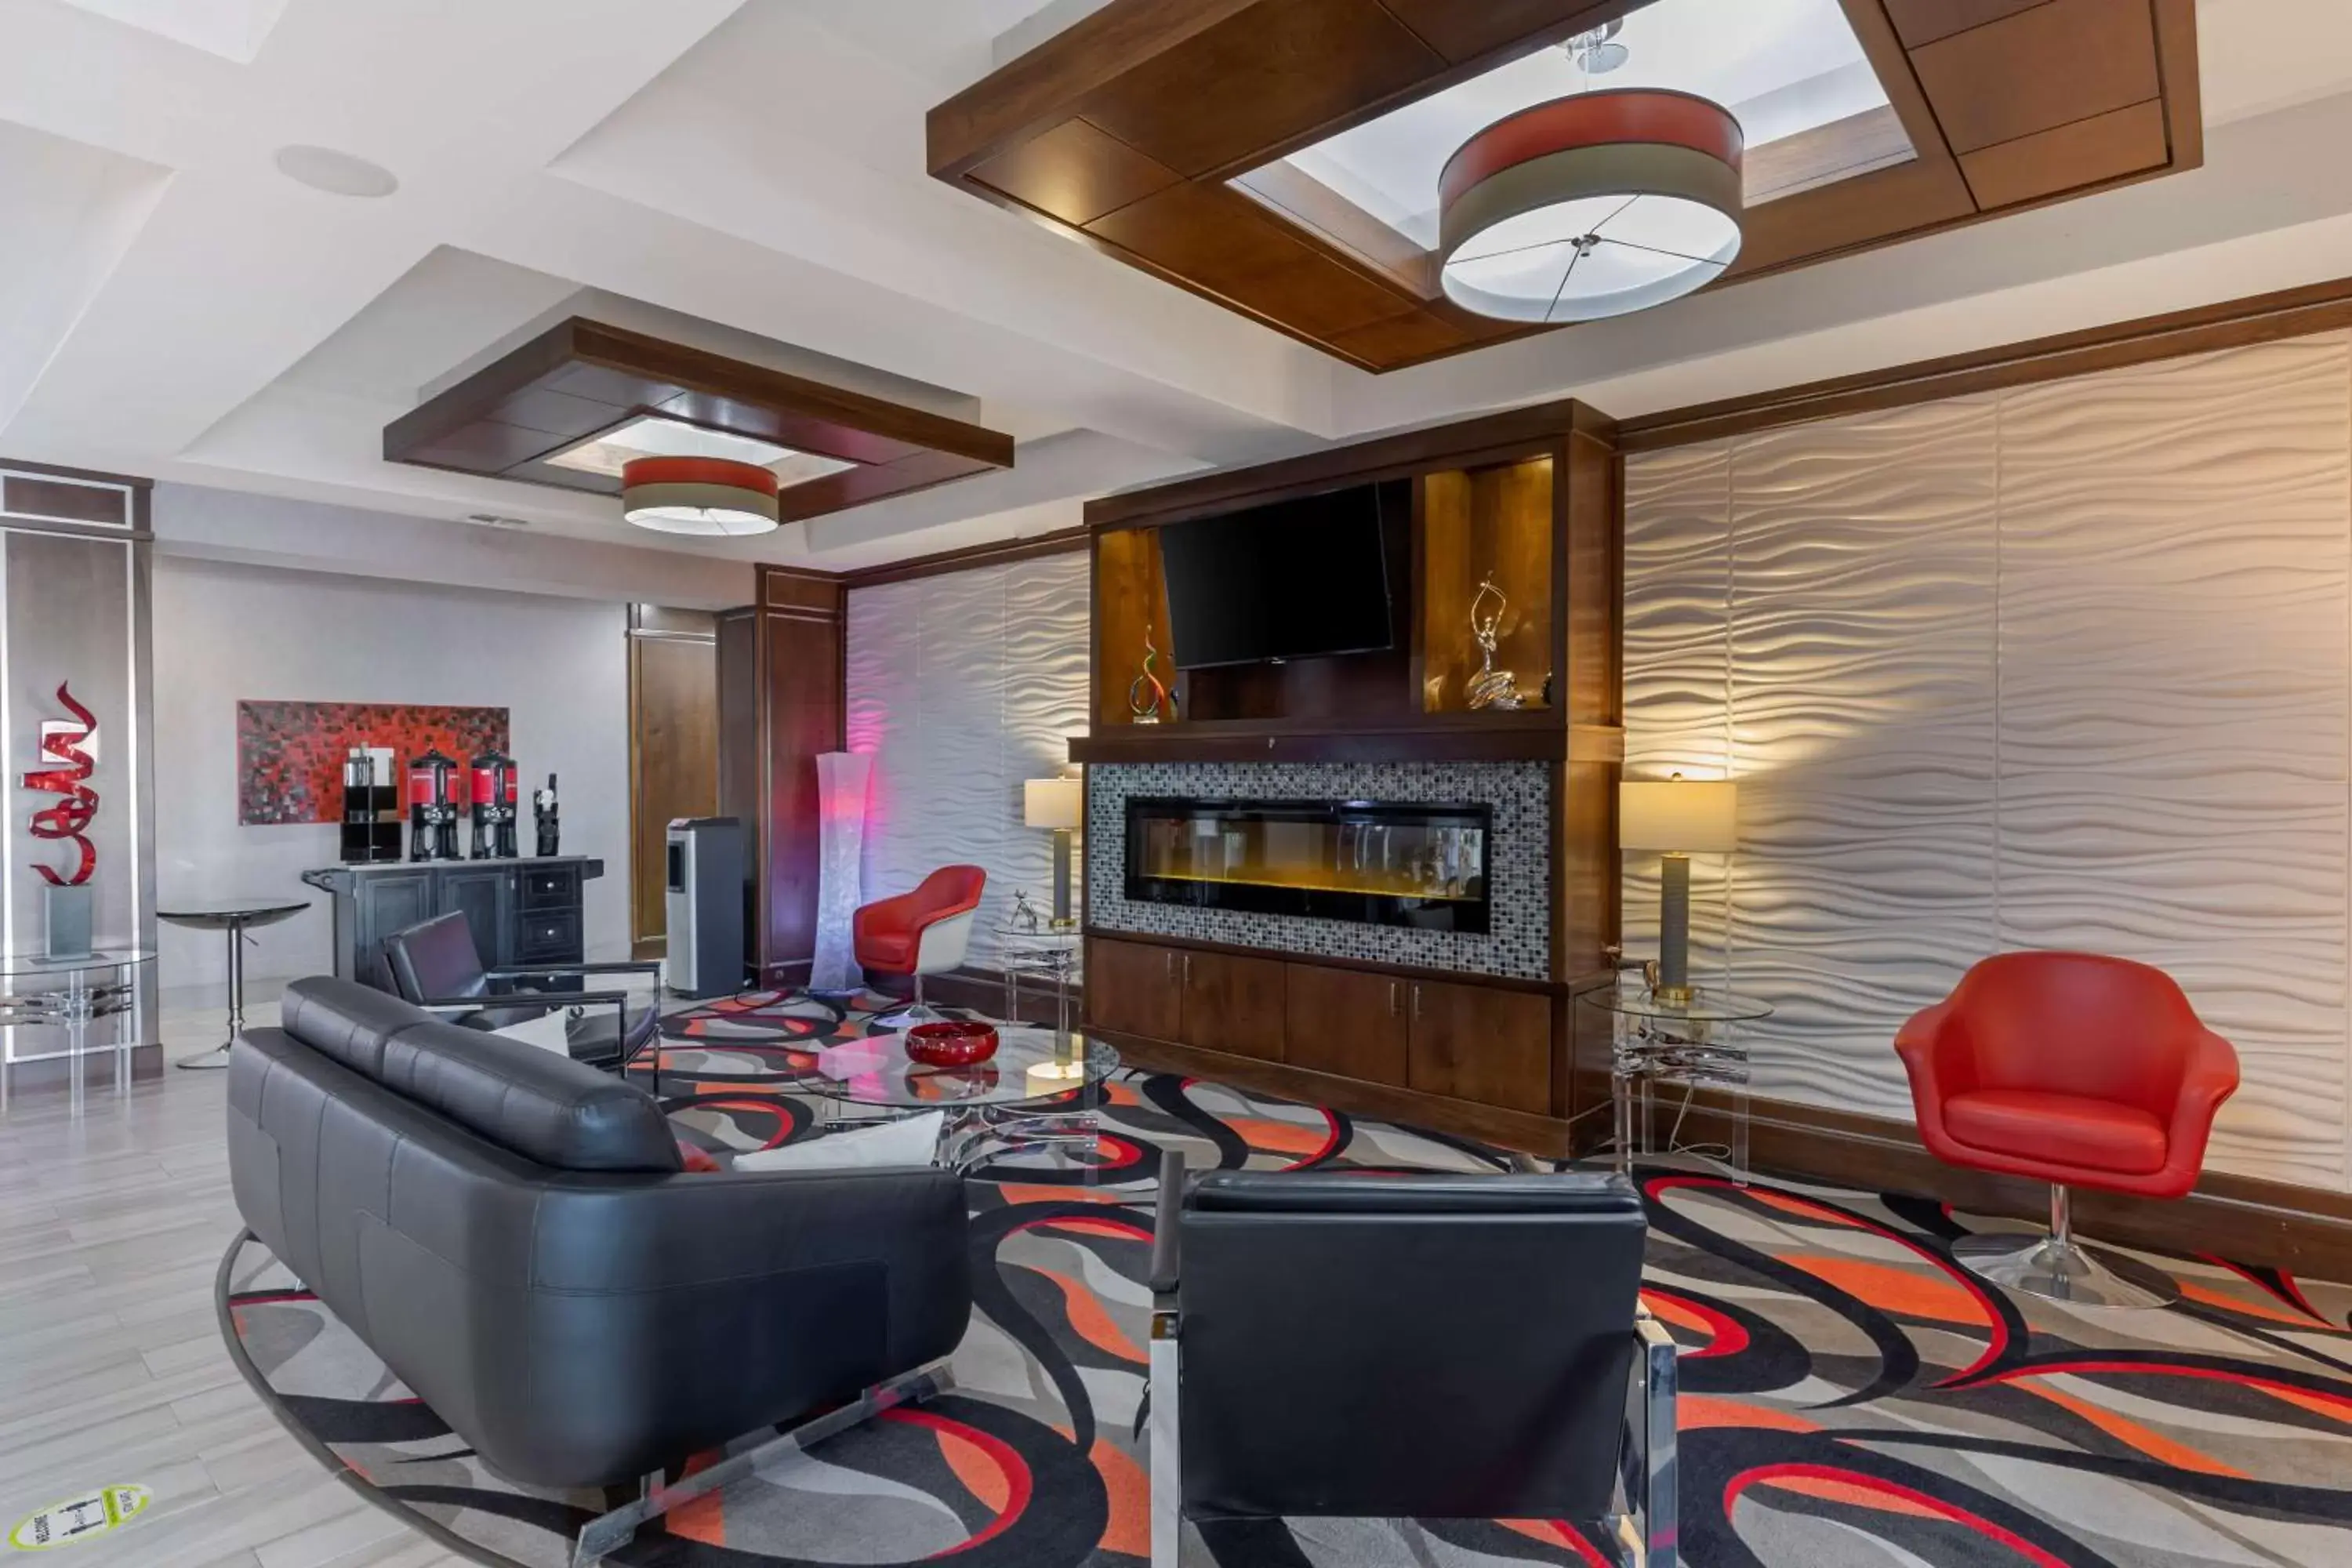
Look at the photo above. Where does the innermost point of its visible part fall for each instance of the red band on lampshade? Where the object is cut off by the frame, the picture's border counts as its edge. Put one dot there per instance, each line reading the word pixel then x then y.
pixel 1593 119
pixel 724 471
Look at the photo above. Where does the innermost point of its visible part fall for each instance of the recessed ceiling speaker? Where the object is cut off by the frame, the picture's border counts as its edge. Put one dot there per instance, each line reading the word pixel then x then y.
pixel 713 497
pixel 337 174
pixel 1597 204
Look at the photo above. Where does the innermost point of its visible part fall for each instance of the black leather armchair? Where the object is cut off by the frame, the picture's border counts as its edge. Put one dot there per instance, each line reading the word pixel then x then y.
pixel 435 965
pixel 1422 1346
pixel 512 1233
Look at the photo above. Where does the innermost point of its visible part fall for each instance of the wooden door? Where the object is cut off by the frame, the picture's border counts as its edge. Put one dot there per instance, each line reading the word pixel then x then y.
pixel 673 747
pixel 1482 1044
pixel 1347 1022
pixel 1132 988
pixel 1234 1004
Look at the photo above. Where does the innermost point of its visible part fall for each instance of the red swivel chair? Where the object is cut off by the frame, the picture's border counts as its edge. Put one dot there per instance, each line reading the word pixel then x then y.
pixel 2078 1070
pixel 926 931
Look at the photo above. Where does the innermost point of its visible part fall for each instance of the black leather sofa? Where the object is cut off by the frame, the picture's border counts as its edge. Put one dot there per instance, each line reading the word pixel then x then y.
pixel 512 1232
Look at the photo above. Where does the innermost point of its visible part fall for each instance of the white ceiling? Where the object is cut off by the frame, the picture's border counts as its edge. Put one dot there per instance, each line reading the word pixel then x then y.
pixel 756 167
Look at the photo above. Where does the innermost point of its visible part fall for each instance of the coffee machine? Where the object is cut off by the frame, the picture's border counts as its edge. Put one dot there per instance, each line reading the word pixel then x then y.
pixel 493 791
pixel 371 825
pixel 544 817
pixel 432 806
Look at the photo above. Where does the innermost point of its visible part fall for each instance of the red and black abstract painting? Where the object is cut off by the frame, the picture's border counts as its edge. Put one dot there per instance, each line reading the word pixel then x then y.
pixel 289 755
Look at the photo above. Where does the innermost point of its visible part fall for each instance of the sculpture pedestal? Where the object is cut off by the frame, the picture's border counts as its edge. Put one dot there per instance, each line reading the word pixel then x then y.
pixel 68 916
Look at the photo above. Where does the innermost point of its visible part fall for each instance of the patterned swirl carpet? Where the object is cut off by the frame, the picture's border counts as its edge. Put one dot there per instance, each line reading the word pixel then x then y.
pixel 1851 1399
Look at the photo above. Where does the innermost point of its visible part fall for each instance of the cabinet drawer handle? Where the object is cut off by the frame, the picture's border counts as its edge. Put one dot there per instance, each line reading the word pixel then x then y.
pixel 1168 964
pixel 1395 1006
pixel 1188 969
pixel 1416 1001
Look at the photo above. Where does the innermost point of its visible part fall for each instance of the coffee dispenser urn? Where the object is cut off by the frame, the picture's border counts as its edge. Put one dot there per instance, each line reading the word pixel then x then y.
pixel 433 807
pixel 494 794
pixel 371 826
pixel 544 817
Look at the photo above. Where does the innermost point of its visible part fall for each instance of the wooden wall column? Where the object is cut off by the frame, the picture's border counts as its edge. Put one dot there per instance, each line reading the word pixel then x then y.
pixel 779 707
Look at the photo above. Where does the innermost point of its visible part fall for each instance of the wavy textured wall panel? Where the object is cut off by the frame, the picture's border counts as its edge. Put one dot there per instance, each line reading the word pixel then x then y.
pixel 2064 665
pixel 1862 731
pixel 1678 667
pixel 963 685
pixel 2174 547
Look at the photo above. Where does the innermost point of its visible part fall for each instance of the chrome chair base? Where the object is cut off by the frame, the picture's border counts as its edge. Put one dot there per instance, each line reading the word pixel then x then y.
pixel 2055 1269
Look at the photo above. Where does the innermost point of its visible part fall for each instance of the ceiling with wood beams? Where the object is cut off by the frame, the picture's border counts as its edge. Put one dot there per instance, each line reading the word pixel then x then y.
pixel 1280 157
pixel 752 179
pixel 568 408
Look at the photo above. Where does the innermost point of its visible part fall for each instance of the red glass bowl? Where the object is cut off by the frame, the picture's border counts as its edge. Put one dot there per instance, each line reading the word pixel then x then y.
pixel 951 1043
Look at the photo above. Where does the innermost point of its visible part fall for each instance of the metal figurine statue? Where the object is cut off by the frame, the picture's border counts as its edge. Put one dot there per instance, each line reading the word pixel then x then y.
pixel 1490 687
pixel 1162 702
pixel 1025 918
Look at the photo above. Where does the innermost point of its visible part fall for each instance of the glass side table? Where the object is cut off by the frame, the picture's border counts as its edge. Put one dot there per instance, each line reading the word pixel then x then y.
pixel 1043 952
pixel 69 994
pixel 1693 1042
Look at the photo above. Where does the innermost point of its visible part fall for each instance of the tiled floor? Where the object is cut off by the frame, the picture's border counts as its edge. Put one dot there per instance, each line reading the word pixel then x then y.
pixel 111 1368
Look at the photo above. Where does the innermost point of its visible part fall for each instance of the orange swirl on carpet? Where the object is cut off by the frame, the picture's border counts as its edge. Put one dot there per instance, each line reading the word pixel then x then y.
pixel 1044 1192
pixel 981 1475
pixel 1129 1491
pixel 1279 1137
pixel 1852 1495
pixel 2164 1451
pixel 1090 1319
pixel 1698 1412
pixel 1894 1288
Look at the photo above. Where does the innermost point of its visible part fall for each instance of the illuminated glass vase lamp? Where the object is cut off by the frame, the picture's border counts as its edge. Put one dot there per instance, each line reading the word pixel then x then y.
pixel 1058 805
pixel 1681 817
pixel 844 780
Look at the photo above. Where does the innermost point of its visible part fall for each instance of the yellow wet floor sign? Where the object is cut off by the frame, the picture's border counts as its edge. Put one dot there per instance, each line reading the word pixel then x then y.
pixel 78 1519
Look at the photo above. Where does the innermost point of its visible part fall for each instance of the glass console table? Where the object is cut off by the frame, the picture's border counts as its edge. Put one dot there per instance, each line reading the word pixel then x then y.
pixel 1693 1042
pixel 69 994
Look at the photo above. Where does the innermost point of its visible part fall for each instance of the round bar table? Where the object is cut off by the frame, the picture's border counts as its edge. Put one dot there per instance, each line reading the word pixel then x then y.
pixel 234 916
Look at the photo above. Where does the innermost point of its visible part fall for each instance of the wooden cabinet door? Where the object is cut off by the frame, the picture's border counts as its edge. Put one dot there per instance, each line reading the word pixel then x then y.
pixel 1132 988
pixel 1234 1004
pixel 1346 1022
pixel 1482 1044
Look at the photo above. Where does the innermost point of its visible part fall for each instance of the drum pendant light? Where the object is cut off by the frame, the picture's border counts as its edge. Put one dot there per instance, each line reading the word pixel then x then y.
pixel 709 496
pixel 1597 204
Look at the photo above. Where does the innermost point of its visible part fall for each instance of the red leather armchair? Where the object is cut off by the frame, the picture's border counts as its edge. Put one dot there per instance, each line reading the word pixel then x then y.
pixel 926 931
pixel 2072 1068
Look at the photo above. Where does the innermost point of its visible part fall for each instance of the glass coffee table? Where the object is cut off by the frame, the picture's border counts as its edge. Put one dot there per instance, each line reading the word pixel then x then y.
pixel 1030 1094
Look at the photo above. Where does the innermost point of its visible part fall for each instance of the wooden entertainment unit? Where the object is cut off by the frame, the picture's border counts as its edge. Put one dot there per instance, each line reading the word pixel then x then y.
pixel 1530 499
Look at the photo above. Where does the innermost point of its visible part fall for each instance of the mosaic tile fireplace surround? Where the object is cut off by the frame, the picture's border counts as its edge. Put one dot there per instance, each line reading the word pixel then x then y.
pixel 1518 944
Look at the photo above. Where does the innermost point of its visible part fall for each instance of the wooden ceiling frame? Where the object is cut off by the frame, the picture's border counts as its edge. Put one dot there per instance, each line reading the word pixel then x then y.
pixel 580 379
pixel 1126 129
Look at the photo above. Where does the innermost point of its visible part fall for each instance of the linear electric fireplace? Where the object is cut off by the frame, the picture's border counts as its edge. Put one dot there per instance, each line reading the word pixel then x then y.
pixel 1379 863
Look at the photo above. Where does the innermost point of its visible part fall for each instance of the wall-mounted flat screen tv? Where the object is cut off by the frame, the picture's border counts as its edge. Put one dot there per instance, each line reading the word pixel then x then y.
pixel 1304 578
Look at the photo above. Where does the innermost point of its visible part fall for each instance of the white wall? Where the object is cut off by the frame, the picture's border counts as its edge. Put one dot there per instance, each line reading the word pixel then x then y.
pixel 963 685
pixel 227 632
pixel 2059 667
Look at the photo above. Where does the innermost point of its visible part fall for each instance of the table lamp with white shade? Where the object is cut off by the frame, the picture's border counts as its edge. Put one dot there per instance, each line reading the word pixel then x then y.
pixel 1058 804
pixel 1682 818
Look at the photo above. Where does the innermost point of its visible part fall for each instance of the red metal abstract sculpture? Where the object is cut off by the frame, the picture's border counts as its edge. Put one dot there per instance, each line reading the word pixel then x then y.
pixel 70 818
